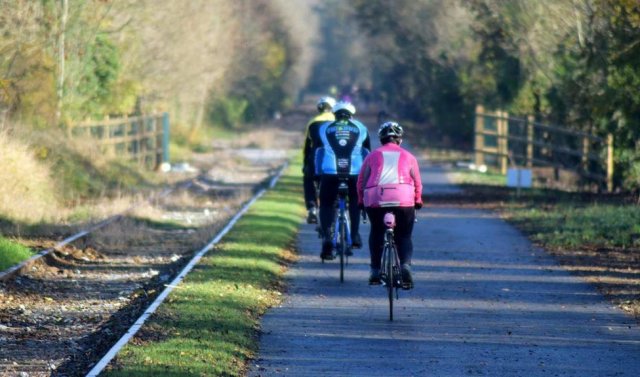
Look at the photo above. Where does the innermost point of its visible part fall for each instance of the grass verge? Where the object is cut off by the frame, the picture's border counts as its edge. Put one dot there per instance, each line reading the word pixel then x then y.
pixel 466 176
pixel 12 253
pixel 208 326
pixel 595 236
pixel 597 241
pixel 570 225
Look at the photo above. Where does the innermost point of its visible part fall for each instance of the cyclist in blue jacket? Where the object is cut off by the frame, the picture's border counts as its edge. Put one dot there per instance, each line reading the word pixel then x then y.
pixel 345 144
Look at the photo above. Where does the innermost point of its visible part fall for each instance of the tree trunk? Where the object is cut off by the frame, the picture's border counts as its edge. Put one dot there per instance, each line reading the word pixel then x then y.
pixel 61 59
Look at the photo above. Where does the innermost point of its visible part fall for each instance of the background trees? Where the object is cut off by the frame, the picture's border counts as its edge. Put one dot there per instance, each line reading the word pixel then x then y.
pixel 570 62
pixel 122 57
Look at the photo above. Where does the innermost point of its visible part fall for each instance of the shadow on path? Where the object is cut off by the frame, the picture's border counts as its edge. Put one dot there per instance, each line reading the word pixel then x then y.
pixel 486 302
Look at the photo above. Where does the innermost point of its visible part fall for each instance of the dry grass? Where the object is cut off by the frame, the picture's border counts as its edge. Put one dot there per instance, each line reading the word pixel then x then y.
pixel 27 189
pixel 49 178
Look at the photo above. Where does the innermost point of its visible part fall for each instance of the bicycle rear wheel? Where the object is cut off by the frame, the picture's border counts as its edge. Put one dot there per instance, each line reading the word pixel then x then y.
pixel 342 248
pixel 391 278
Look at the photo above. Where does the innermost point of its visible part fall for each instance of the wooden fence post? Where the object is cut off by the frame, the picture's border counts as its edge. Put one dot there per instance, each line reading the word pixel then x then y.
pixel 584 159
pixel 503 142
pixel 610 162
pixel 165 137
pixel 479 136
pixel 530 133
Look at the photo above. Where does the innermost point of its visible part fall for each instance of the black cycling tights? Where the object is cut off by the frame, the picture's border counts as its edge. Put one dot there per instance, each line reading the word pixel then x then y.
pixel 405 217
pixel 329 194
pixel 310 190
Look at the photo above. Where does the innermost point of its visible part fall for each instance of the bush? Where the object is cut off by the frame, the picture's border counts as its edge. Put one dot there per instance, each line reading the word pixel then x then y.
pixel 229 112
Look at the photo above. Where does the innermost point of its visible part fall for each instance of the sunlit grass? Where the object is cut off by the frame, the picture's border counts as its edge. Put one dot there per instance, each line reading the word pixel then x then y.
pixel 208 326
pixel 472 177
pixel 12 253
pixel 568 225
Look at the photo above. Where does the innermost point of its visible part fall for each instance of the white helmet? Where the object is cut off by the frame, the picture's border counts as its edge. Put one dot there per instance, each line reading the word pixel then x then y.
pixel 344 107
pixel 325 103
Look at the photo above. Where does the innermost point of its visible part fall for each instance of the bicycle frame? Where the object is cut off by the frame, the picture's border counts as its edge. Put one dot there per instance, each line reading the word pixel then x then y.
pixel 390 271
pixel 342 228
pixel 342 217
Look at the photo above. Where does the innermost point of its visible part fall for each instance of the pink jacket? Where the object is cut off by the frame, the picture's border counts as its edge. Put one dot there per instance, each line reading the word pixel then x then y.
pixel 389 177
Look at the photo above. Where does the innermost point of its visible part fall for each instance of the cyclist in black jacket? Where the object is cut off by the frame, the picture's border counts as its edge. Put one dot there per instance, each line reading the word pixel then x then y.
pixel 311 143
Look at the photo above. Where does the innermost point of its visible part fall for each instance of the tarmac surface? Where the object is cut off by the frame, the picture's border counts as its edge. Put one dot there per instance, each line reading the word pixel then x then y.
pixel 486 303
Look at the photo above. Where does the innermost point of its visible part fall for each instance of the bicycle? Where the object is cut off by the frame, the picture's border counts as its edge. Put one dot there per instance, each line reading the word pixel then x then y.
pixel 341 240
pixel 390 273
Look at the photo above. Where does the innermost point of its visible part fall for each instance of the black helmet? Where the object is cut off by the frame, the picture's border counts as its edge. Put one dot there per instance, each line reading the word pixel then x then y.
pixel 390 129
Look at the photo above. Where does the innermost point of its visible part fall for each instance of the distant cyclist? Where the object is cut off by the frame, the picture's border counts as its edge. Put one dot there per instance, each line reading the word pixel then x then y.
pixel 389 181
pixel 311 143
pixel 345 143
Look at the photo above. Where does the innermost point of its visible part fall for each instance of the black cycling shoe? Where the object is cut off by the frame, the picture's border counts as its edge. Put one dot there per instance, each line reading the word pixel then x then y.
pixel 327 251
pixel 312 216
pixel 407 278
pixel 374 277
pixel 356 243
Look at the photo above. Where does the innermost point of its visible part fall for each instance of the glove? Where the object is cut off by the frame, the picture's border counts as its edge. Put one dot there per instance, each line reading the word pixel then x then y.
pixel 361 206
pixel 418 205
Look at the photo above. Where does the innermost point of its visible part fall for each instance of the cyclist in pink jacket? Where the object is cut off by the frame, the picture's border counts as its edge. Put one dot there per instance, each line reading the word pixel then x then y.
pixel 389 181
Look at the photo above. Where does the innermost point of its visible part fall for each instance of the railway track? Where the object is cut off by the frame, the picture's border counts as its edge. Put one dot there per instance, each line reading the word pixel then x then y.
pixel 61 312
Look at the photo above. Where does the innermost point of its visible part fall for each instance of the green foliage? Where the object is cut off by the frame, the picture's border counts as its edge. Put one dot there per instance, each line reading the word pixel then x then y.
pixel 30 89
pixel 12 253
pixel 523 57
pixel 98 68
pixel 495 59
pixel 339 59
pixel 259 94
pixel 411 73
pixel 106 66
pixel 229 112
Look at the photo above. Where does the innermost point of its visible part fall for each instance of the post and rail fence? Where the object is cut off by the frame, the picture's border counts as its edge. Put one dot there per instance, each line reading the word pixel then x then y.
pixel 502 141
pixel 143 139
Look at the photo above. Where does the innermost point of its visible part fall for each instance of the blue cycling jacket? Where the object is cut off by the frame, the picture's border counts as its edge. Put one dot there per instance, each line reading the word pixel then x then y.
pixel 345 144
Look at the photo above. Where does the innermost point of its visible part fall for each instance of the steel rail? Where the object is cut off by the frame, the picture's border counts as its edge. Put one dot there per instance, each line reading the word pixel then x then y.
pixel 106 359
pixel 11 271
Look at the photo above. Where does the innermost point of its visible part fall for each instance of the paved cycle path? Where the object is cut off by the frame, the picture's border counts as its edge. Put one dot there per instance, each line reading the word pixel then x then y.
pixel 486 302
